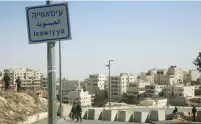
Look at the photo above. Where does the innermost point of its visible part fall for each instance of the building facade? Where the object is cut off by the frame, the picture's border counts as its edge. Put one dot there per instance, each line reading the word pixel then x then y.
pixel 154 90
pixel 31 79
pixel 82 96
pixel 70 85
pixel 96 84
pixel 119 85
pixel 183 91
pixel 177 72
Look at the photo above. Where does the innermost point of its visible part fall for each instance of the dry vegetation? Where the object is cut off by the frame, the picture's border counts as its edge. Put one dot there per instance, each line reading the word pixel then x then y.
pixel 15 107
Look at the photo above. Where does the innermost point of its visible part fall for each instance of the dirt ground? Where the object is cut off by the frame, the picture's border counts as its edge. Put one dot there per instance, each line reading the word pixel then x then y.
pixel 15 107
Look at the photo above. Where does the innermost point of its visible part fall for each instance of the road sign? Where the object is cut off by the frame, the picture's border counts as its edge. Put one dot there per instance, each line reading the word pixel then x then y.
pixel 48 23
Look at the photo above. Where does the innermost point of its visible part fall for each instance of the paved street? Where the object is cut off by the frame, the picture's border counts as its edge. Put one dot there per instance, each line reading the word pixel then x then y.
pixel 62 121
pixel 45 121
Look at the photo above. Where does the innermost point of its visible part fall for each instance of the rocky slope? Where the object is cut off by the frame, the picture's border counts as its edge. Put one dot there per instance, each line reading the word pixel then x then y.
pixel 15 107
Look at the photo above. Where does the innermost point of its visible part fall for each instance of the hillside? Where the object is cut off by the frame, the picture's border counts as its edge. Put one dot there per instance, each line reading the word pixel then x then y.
pixel 15 107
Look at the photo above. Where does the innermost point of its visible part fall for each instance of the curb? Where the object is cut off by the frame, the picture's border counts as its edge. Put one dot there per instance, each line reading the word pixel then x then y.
pixel 34 118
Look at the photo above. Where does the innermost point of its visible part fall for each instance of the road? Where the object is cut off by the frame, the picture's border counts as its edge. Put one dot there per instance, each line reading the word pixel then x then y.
pixel 94 122
pixel 45 121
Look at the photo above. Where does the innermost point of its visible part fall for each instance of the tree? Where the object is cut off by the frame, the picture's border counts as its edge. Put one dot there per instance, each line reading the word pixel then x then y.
pixel 197 62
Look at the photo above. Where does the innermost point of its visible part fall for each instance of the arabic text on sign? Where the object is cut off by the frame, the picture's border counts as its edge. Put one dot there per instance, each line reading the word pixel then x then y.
pixel 43 25
pixel 47 14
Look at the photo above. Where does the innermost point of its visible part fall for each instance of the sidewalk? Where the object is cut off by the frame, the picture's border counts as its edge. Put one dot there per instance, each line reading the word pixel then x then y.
pixel 68 121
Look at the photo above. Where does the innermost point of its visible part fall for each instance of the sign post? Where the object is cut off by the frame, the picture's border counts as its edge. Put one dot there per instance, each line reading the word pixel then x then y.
pixel 47 24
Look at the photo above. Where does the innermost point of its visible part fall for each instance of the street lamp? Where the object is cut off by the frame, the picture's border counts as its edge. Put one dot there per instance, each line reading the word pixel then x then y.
pixel 109 82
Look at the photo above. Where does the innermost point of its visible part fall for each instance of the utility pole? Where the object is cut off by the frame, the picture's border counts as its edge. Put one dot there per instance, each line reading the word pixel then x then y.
pixel 109 82
pixel 51 80
pixel 60 84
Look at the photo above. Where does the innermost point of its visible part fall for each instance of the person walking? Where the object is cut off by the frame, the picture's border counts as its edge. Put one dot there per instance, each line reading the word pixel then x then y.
pixel 73 111
pixel 194 110
pixel 6 80
pixel 79 112
pixel 18 81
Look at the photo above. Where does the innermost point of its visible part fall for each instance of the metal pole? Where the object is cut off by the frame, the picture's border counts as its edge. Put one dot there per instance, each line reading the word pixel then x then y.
pixel 109 83
pixel 51 80
pixel 109 86
pixel 60 84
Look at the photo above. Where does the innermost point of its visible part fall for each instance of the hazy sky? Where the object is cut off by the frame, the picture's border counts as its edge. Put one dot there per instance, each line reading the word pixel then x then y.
pixel 137 35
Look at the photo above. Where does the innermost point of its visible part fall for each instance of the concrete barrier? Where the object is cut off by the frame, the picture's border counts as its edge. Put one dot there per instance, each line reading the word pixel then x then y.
pixel 141 117
pixel 109 115
pixel 157 115
pixel 94 114
pixel 34 118
pixel 85 113
pixel 125 116
pixel 199 116
pixel 66 110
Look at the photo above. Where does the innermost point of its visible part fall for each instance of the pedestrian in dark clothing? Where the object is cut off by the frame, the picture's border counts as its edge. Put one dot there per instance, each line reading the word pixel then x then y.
pixel 194 110
pixel 79 112
pixel 73 111
pixel 6 80
pixel 175 110
pixel 18 81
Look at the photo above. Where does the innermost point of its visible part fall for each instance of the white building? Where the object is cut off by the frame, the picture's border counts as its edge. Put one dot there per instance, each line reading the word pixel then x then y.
pixel 70 85
pixel 148 76
pixel 119 85
pixel 31 79
pixel 168 91
pixel 190 76
pixel 96 84
pixel 136 90
pixel 82 96
pixel 44 83
pixel 160 74
pixel 183 91
pixel 168 80
pixel 177 72
pixel 154 90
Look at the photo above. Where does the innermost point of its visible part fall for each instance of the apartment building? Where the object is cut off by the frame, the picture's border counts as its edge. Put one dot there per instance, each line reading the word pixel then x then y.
pixel 160 74
pixel 168 80
pixel 119 85
pixel 168 91
pixel 44 82
pixel 154 90
pixel 96 84
pixel 197 87
pixel 70 85
pixel 81 96
pixel 148 76
pixel 177 72
pixel 183 91
pixel 31 79
pixel 137 88
pixel 190 76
